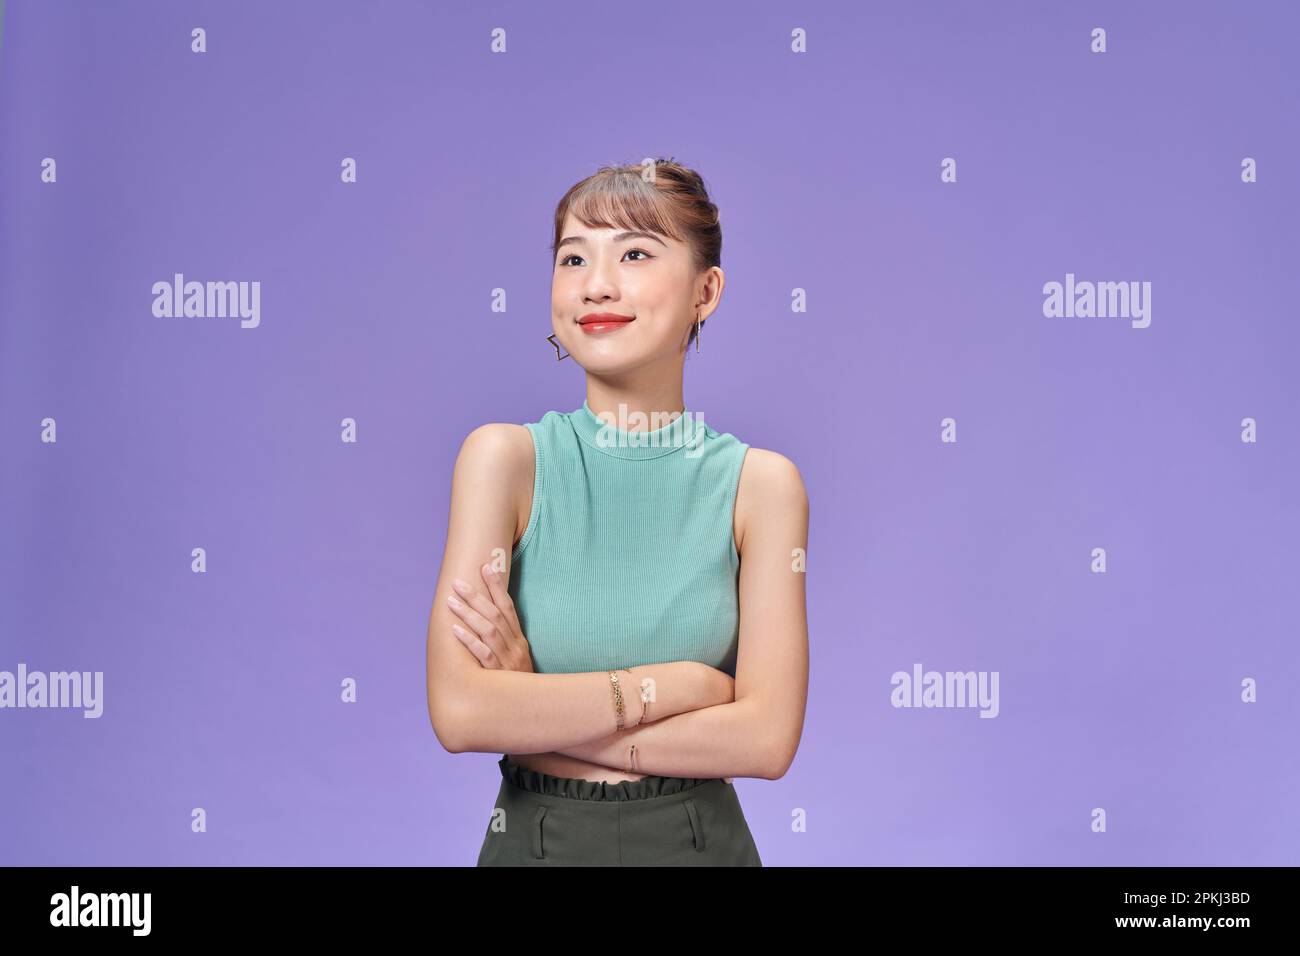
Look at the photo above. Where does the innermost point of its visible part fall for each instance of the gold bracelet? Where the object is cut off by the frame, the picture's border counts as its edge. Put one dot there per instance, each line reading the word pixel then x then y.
pixel 645 704
pixel 618 698
pixel 642 720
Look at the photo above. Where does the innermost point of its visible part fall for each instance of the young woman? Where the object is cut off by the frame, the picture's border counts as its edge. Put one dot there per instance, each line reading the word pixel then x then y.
pixel 621 609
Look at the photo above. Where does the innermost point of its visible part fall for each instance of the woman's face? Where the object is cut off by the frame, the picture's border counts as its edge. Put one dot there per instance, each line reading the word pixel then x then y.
pixel 645 285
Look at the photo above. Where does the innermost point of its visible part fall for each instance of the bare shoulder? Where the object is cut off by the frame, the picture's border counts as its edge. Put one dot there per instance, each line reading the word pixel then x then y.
pixel 498 458
pixel 770 485
pixel 497 445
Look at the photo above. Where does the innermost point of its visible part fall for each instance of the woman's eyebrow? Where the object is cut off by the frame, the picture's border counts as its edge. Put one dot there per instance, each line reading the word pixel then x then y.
pixel 619 237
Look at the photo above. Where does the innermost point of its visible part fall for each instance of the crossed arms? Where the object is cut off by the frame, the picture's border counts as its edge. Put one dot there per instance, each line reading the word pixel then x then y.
pixel 484 697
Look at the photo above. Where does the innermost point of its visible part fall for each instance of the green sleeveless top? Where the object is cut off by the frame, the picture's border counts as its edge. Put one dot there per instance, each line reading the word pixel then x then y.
pixel 629 556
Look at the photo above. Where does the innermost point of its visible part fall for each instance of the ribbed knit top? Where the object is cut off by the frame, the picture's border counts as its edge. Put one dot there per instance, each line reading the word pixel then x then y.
pixel 629 556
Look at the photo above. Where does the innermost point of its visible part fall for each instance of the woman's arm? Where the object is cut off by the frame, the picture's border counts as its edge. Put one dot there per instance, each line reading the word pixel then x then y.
pixel 758 734
pixel 477 709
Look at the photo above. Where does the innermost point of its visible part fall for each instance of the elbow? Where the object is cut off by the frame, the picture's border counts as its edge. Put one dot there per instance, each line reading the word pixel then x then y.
pixel 775 769
pixel 774 740
pixel 780 755
pixel 449 726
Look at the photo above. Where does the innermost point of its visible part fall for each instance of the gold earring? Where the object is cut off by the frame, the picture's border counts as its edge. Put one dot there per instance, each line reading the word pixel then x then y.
pixel 558 357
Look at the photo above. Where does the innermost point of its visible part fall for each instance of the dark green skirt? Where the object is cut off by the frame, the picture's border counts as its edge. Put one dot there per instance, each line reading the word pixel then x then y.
pixel 544 820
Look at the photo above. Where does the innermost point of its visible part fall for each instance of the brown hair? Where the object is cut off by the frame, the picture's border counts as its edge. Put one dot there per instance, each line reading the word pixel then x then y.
pixel 675 204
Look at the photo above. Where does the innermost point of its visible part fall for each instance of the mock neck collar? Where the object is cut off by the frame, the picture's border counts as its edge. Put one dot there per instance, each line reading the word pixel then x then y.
pixel 685 431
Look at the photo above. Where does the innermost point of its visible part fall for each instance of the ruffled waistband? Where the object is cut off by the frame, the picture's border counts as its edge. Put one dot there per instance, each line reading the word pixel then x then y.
pixel 575 788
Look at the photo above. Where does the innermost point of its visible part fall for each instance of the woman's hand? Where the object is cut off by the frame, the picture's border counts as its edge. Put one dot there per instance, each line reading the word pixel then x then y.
pixel 490 628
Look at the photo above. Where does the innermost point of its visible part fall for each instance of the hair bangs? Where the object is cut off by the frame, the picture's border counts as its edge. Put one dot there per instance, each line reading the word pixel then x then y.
pixel 623 201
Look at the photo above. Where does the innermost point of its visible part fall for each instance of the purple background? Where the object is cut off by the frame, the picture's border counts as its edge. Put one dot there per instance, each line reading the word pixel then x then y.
pixel 1119 690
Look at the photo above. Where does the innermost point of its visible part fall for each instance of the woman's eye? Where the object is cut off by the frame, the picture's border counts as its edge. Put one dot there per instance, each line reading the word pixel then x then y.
pixel 566 260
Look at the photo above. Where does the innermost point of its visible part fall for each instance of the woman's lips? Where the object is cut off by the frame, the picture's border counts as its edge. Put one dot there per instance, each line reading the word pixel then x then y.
pixel 600 325
pixel 600 328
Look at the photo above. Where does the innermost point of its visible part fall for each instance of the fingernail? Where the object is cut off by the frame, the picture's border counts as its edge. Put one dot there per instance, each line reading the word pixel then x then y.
pixel 452 601
pixel 460 585
pixel 487 568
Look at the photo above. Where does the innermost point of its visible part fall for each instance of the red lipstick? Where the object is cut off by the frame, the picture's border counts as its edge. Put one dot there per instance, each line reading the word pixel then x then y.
pixel 598 323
